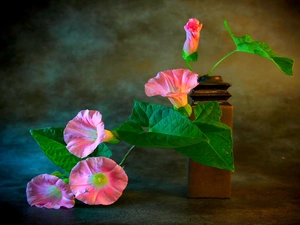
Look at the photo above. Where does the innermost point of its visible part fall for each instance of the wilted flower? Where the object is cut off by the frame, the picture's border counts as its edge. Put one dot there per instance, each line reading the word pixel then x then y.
pixel 173 84
pixel 85 132
pixel 50 192
pixel 192 29
pixel 98 180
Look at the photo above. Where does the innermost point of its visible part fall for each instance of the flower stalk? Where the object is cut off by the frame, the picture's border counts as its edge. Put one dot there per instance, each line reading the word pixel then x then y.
pixel 226 56
pixel 126 155
pixel 188 65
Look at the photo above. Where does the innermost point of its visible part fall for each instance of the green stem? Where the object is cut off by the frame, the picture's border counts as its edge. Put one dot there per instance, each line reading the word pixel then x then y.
pixel 127 154
pixel 188 65
pixel 226 56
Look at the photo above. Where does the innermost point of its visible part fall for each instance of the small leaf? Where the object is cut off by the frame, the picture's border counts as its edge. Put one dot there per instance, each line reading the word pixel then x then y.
pixel 247 44
pixel 157 126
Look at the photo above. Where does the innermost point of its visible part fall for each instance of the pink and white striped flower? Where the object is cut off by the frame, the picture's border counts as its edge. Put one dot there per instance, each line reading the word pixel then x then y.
pixel 49 191
pixel 98 181
pixel 85 132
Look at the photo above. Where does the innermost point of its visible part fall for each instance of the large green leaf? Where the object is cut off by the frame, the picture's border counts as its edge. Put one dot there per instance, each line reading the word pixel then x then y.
pixel 157 126
pixel 217 152
pixel 52 143
pixel 247 44
pixel 206 111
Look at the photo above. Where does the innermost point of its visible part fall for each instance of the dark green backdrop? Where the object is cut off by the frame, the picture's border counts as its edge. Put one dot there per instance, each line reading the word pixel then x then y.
pixel 59 57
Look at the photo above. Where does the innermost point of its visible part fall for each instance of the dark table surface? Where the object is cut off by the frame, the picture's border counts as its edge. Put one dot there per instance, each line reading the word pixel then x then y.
pixel 263 192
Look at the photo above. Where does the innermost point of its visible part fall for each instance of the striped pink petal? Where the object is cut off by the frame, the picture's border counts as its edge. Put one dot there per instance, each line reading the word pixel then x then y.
pixel 84 133
pixel 98 181
pixel 48 191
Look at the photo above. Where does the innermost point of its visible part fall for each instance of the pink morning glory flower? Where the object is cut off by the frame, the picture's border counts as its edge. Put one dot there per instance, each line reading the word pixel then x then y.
pixel 192 29
pixel 50 192
pixel 85 132
pixel 98 181
pixel 174 84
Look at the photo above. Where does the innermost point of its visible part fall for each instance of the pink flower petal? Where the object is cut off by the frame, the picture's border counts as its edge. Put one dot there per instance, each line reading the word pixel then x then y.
pixel 49 191
pixel 98 181
pixel 84 133
pixel 173 84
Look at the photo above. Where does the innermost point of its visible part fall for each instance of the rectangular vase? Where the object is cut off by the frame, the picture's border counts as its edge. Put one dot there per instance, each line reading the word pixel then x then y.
pixel 205 181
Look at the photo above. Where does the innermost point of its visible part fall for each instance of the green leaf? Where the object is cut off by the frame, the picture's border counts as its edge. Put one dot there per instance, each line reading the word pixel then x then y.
pixel 247 44
pixel 157 126
pixel 102 150
pixel 52 143
pixel 208 111
pixel 64 177
pixel 217 152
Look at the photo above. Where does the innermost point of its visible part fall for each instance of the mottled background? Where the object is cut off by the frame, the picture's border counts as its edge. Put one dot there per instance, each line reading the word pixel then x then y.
pixel 59 57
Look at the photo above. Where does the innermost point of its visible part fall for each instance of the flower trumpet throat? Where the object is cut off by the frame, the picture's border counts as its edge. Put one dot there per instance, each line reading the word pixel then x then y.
pixel 174 84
